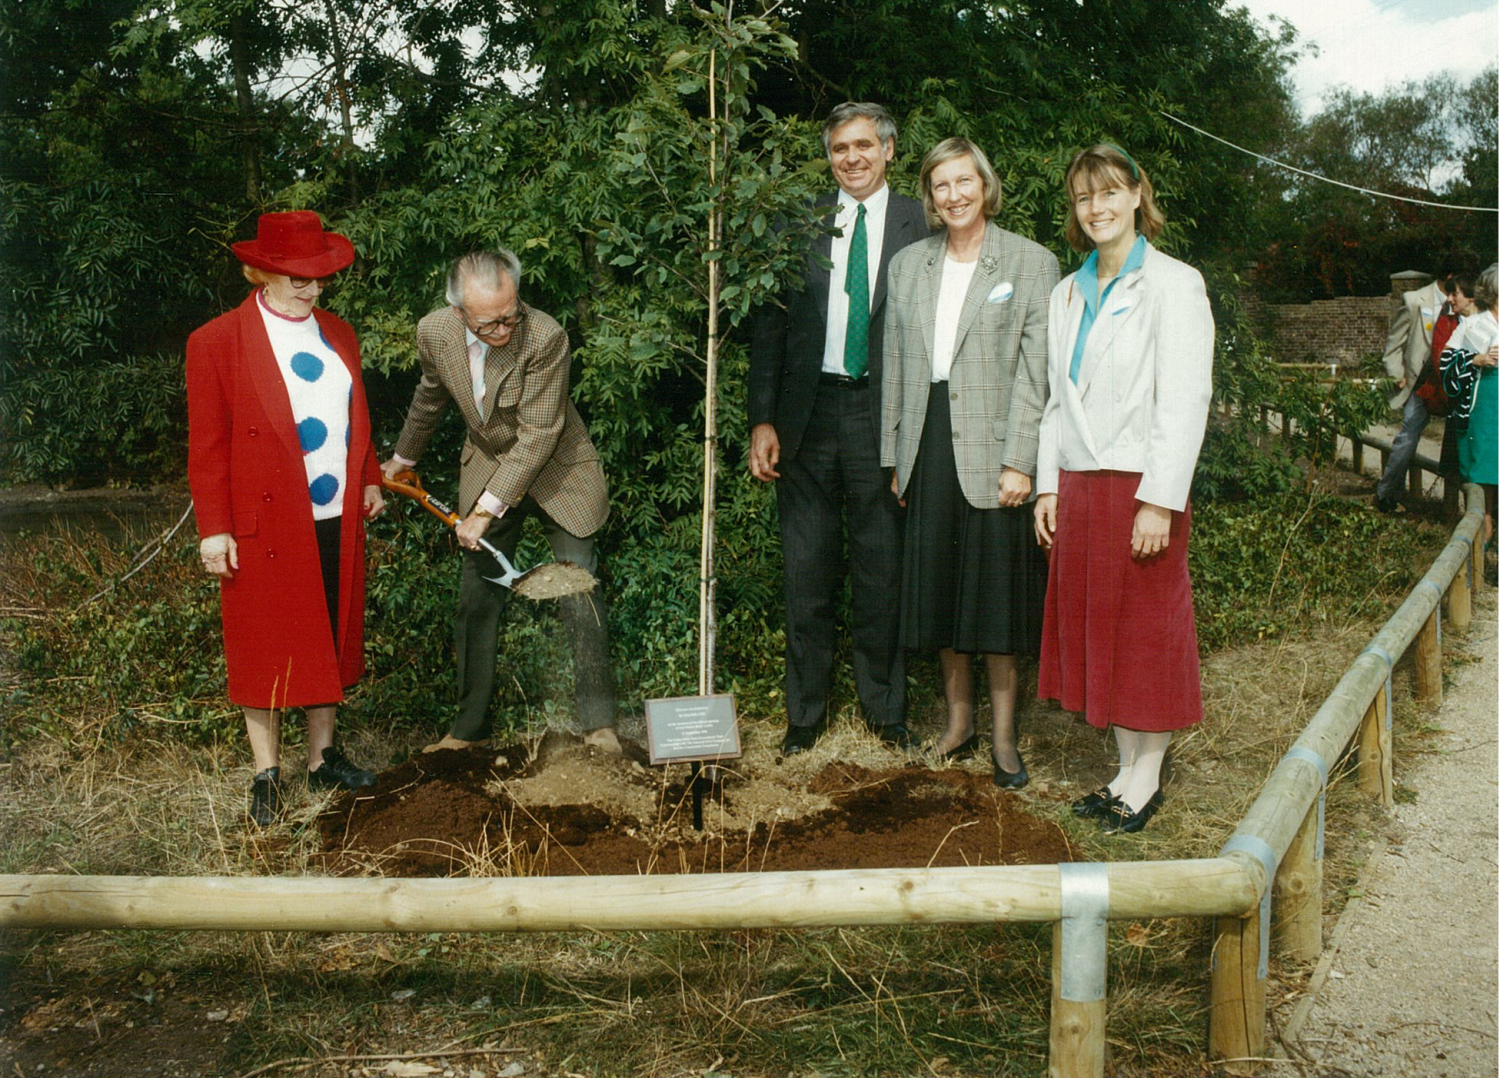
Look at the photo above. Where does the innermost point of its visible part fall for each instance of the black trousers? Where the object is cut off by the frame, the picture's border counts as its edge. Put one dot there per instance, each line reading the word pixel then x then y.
pixel 476 626
pixel 835 483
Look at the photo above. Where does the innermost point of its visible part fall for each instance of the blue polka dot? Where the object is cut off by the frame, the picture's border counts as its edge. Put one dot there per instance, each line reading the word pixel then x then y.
pixel 312 433
pixel 323 489
pixel 324 338
pixel 307 366
pixel 346 437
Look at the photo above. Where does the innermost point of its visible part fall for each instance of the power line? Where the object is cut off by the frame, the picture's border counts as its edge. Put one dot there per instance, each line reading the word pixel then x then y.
pixel 1325 179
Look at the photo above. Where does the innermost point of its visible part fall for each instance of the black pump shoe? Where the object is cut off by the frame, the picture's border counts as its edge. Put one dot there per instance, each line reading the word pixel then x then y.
pixel 1010 780
pixel 337 770
pixel 265 796
pixel 800 738
pixel 1097 805
pixel 1122 821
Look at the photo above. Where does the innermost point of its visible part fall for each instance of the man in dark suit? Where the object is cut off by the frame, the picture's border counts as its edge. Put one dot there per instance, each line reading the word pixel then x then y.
pixel 815 374
pixel 505 366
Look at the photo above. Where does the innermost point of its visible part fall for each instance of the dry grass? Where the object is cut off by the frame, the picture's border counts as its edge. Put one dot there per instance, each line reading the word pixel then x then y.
pixel 935 1000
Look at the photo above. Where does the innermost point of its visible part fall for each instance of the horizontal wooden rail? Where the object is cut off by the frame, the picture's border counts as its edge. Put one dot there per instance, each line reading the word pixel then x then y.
pixel 985 895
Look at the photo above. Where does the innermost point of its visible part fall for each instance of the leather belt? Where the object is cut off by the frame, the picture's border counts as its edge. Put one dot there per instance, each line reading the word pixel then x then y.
pixel 843 381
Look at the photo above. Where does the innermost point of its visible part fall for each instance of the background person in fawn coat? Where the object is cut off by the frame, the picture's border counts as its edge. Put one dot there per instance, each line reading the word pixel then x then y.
pixel 1408 349
pixel 815 376
pixel 965 383
pixel 505 365
pixel 283 474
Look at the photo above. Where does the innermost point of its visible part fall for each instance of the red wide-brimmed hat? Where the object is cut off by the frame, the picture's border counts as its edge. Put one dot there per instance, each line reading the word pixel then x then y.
pixel 295 244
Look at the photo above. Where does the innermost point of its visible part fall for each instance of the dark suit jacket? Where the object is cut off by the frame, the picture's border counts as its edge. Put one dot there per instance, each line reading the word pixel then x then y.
pixel 786 351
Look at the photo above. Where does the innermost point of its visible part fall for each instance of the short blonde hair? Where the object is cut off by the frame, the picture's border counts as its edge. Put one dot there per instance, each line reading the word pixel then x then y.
pixel 1106 165
pixel 257 276
pixel 948 150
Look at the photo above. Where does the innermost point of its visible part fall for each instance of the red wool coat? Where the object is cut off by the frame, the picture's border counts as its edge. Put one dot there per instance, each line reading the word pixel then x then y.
pixel 247 477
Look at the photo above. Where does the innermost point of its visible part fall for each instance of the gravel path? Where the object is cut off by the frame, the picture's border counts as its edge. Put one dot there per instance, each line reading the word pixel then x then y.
pixel 1407 985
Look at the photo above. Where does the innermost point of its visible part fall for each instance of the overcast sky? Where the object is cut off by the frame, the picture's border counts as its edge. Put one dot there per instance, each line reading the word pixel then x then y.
pixel 1373 45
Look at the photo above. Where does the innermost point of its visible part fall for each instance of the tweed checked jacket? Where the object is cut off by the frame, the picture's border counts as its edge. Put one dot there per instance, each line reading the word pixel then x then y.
pixel 530 439
pixel 998 383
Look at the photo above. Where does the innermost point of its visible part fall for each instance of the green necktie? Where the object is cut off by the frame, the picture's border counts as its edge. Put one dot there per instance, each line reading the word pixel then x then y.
pixel 857 286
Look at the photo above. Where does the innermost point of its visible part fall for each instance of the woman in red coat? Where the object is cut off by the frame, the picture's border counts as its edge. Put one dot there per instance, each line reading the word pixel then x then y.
pixel 283 475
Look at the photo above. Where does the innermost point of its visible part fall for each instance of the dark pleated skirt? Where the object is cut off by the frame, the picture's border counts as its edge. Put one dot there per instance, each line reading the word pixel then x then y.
pixel 1120 643
pixel 973 580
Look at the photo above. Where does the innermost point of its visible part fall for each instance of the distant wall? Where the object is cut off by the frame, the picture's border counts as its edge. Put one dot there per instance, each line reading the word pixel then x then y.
pixel 1337 330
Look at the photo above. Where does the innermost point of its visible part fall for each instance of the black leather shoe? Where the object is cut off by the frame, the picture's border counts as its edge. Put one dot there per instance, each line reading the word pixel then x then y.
pixel 800 739
pixel 1122 821
pixel 1096 805
pixel 894 734
pixel 1010 780
pixel 265 796
pixel 338 771
pixel 962 751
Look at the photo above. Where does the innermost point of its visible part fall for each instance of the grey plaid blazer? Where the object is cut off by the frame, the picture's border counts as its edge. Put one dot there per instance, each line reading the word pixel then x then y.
pixel 530 439
pixel 999 378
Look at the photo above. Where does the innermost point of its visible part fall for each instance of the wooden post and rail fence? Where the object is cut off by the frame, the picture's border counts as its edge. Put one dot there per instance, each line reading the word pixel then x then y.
pixel 1272 861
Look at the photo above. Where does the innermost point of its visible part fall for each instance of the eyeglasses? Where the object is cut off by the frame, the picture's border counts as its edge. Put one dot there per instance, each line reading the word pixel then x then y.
pixel 303 282
pixel 485 329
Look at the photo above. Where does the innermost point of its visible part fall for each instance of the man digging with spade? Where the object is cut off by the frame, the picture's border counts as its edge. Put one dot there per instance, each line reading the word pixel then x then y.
pixel 505 365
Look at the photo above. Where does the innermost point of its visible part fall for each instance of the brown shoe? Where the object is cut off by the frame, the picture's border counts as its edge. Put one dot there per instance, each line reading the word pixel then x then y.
pixel 451 742
pixel 604 739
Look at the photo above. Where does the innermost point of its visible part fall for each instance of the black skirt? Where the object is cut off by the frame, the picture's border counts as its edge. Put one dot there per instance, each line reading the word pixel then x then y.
pixel 973 580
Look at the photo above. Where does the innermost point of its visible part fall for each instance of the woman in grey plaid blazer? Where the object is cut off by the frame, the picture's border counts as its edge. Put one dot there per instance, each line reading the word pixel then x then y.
pixel 964 387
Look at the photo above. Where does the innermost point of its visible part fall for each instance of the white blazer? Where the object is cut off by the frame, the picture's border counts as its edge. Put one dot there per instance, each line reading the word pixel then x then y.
pixel 1144 386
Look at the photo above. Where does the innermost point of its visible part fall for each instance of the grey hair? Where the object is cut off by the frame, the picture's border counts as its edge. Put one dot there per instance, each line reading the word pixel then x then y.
pixel 485 267
pixel 1485 289
pixel 885 127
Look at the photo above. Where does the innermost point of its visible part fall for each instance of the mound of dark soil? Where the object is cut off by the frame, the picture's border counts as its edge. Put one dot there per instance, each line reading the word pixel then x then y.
pixel 566 810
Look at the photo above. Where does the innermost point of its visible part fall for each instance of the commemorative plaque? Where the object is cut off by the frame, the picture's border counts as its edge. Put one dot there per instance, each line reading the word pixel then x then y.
pixel 684 729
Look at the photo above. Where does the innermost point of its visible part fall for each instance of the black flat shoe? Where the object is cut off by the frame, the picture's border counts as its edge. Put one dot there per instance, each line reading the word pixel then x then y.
pixel 265 796
pixel 337 770
pixel 1096 805
pixel 1122 821
pixel 962 751
pixel 1010 780
pixel 800 739
pixel 894 734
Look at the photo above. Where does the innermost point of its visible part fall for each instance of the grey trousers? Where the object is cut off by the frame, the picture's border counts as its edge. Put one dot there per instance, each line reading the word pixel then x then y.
pixel 1403 448
pixel 476 627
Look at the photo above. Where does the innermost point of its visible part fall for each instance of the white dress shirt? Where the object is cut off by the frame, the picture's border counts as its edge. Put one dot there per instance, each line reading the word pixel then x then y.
pixel 838 299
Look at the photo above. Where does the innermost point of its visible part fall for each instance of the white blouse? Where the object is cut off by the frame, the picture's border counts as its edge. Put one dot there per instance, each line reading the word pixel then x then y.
pixel 950 307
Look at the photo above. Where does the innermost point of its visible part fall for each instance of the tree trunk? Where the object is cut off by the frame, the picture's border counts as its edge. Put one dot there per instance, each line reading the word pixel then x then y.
pixel 249 132
pixel 341 87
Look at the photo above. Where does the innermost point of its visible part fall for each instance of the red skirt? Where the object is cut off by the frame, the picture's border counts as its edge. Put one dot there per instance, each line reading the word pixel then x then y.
pixel 1118 638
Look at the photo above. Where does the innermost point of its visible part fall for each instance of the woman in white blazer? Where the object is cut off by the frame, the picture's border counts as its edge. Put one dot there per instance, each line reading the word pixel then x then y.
pixel 1129 365
pixel 964 384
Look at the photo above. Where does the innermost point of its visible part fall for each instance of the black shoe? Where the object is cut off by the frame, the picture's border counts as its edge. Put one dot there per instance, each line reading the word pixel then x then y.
pixel 962 751
pixel 1096 805
pixel 338 771
pixel 1010 780
pixel 1122 821
pixel 1389 505
pixel 894 734
pixel 800 739
pixel 265 796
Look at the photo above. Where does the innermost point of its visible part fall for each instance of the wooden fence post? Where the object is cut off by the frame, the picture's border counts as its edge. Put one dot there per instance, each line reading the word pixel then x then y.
pixel 1414 479
pixel 1080 941
pixel 1299 890
pixel 1357 455
pixel 1385 458
pixel 1375 776
pixel 1460 597
pixel 1476 563
pixel 1429 658
pixel 1237 995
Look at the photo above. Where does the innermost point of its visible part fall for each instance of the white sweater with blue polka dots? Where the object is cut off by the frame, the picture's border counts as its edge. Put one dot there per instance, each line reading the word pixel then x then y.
pixel 319 387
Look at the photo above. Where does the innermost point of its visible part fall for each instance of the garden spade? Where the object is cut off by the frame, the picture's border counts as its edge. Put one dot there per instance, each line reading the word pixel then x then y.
pixel 550 580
